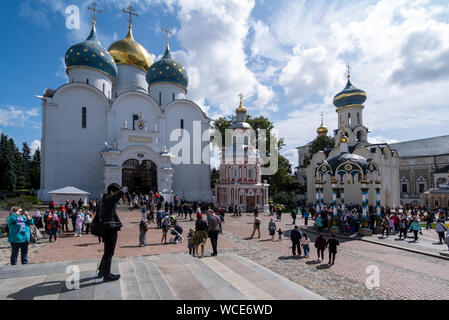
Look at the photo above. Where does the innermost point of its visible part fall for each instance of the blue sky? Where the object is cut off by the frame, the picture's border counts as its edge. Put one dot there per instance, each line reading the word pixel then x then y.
pixel 287 57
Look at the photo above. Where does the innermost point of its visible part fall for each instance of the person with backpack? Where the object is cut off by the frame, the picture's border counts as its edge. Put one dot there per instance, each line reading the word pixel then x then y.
pixel 54 224
pixel 295 237
pixel 257 222
pixel 19 234
pixel 441 229
pixel 332 244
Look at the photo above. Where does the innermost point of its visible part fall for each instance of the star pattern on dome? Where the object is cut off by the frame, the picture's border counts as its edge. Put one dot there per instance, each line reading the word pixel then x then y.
pixel 167 70
pixel 90 53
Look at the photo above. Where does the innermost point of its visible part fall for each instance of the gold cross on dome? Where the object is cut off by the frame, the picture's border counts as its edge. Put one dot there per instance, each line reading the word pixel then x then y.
pixel 94 11
pixel 348 68
pixel 168 33
pixel 322 118
pixel 241 96
pixel 130 10
pixel 343 127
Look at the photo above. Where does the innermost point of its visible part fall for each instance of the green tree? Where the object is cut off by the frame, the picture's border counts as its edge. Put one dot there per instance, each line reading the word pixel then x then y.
pixel 35 170
pixel 25 163
pixel 320 144
pixel 282 180
pixel 214 177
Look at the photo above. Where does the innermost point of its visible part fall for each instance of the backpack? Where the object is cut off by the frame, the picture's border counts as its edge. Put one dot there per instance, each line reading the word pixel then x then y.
pixel 54 223
pixel 257 223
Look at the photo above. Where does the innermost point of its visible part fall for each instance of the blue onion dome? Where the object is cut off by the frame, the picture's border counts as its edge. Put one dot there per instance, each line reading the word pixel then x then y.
pixel 91 54
pixel 350 96
pixel 167 70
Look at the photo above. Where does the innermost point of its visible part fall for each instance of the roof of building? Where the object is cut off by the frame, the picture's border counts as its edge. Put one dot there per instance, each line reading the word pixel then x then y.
pixel 443 170
pixel 69 190
pixel 349 96
pixel 167 70
pixel 91 54
pixel 442 189
pixel 423 147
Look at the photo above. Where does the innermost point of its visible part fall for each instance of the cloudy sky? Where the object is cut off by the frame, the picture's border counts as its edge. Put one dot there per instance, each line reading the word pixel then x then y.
pixel 287 57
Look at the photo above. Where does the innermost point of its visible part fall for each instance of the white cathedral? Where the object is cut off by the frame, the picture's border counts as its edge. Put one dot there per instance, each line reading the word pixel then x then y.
pixel 113 121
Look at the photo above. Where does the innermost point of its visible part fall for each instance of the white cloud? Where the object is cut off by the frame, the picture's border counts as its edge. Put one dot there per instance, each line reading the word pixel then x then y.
pixel 14 116
pixel 380 139
pixel 213 37
pixel 36 144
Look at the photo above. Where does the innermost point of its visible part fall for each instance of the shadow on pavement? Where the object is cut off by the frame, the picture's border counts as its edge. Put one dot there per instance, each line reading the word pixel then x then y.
pixel 47 288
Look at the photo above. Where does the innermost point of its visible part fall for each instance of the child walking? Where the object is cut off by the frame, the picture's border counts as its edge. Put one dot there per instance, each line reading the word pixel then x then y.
pixel 305 241
pixel 191 242
pixel 280 234
pixel 79 225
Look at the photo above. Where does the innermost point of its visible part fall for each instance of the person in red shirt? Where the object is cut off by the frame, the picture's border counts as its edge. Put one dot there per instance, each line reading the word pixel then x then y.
pixel 53 224
pixel 396 223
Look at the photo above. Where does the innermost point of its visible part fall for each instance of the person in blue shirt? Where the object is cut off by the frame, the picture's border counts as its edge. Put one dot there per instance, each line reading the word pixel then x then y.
pixel 19 234
pixel 415 226
pixel 319 223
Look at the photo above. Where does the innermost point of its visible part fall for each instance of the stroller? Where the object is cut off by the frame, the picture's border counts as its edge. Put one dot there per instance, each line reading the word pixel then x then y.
pixel 177 232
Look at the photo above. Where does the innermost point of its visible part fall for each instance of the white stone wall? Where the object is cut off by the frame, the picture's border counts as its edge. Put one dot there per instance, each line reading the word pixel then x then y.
pixel 129 78
pixel 95 78
pixel 168 92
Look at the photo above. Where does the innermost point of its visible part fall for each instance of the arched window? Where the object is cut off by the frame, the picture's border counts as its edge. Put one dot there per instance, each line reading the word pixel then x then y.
pixel 84 118
pixel 87 81
pixel 349 119
pixel 359 136
pixel 173 96
pixel 358 117
pixel 160 98
pixel 182 126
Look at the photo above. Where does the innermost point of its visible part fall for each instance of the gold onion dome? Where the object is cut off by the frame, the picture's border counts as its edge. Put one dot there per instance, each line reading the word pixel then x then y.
pixel 322 130
pixel 129 51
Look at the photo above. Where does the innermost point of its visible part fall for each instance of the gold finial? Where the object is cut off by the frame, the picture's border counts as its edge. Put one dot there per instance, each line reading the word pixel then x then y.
pixel 241 108
pixel 343 138
pixel 94 11
pixel 322 130
pixel 130 10
pixel 348 68
pixel 168 33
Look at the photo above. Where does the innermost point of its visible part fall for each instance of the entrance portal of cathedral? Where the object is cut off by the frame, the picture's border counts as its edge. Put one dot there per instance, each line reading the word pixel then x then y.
pixel 140 177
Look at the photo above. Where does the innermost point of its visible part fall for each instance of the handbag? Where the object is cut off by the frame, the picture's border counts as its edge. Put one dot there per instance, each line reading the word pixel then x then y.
pixel 97 228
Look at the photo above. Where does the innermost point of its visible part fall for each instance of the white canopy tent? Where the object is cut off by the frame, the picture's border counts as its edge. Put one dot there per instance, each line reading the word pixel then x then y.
pixel 69 193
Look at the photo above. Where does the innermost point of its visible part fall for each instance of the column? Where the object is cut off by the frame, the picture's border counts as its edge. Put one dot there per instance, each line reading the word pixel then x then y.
pixel 342 195
pixel 317 196
pixel 322 196
pixel 378 197
pixel 364 189
pixel 334 196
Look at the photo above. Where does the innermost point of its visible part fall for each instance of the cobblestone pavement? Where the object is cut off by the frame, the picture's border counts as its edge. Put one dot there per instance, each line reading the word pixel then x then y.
pixel 403 275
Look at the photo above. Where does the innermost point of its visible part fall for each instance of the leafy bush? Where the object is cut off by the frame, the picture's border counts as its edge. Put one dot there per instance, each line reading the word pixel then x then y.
pixel 22 201
pixel 285 201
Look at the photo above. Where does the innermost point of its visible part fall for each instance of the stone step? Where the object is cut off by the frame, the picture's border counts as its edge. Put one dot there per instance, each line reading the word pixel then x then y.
pixel 128 281
pixel 212 281
pixel 287 285
pixel 146 283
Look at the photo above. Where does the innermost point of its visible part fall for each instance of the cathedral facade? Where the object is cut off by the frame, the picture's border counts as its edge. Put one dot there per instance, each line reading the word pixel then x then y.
pixel 120 118
pixel 355 171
